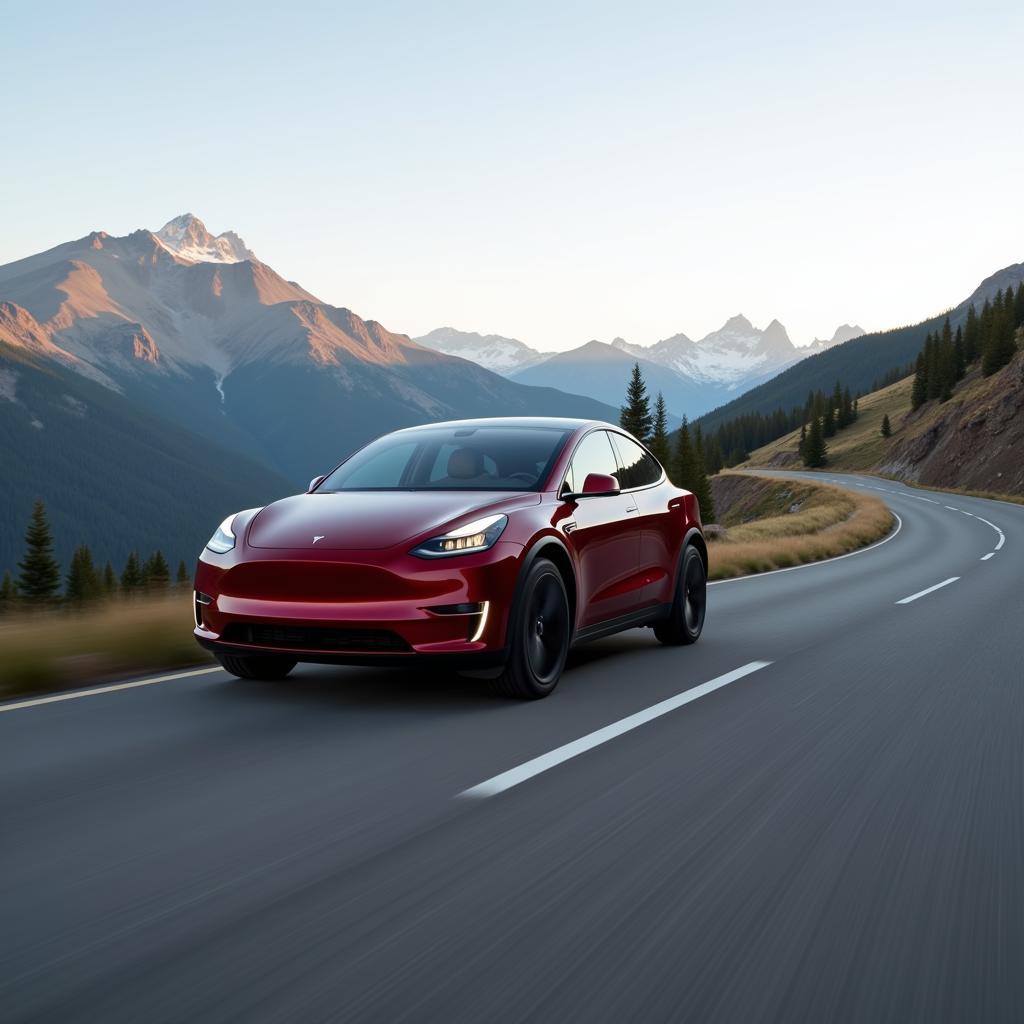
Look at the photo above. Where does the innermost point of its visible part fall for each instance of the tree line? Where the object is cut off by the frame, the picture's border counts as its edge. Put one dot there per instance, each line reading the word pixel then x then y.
pixel 688 460
pixel 989 337
pixel 39 582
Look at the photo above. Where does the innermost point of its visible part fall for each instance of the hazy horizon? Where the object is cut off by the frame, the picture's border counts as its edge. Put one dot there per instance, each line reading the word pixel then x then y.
pixel 553 176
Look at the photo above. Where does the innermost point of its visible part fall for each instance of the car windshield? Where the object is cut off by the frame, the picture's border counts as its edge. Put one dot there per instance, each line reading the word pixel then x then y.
pixel 454 458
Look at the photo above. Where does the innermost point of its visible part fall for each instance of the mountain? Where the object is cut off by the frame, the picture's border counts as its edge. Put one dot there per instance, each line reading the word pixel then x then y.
pixel 195 351
pixel 858 363
pixel 197 329
pixel 703 373
pixel 844 332
pixel 491 351
pixel 603 371
pixel 694 376
pixel 113 474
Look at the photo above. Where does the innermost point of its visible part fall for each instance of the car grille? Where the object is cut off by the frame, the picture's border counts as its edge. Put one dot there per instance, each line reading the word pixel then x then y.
pixel 313 638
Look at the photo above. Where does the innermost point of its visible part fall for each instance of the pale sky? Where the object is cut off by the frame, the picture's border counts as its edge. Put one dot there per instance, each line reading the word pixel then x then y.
pixel 553 172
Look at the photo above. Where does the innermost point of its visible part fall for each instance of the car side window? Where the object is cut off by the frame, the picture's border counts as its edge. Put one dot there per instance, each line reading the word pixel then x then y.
pixel 639 469
pixel 593 454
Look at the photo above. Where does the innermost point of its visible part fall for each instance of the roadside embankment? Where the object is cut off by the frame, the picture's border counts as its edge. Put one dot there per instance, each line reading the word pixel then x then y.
pixel 776 523
pixel 59 649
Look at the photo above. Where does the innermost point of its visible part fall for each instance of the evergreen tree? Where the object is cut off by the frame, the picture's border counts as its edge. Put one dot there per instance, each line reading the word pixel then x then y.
pixel 131 576
pixel 685 474
pixel 109 580
pixel 705 499
pixel 157 573
pixel 959 356
pixel 659 443
pixel 849 412
pixel 635 416
pixel 972 336
pixel 919 392
pixel 39 576
pixel 886 426
pixel 1018 307
pixel 803 440
pixel 837 404
pixel 815 449
pixel 8 594
pixel 828 423
pixel 182 579
pixel 999 344
pixel 715 460
pixel 83 582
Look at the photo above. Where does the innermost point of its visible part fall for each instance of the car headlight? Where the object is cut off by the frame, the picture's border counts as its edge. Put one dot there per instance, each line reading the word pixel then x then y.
pixel 463 540
pixel 224 538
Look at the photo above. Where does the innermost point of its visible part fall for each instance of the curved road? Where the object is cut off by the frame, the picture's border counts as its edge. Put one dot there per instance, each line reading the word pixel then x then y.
pixel 835 835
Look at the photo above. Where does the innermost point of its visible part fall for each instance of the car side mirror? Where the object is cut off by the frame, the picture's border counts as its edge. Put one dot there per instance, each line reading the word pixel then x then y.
pixel 597 485
pixel 315 483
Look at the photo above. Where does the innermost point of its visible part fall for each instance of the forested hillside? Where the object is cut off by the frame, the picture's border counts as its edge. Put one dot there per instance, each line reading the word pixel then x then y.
pixel 112 475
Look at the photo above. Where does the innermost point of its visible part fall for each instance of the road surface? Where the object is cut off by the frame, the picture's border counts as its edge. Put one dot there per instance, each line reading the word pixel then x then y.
pixel 816 813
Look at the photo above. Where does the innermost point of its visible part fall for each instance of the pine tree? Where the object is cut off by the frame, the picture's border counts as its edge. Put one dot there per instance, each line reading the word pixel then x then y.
pixel 972 340
pixel 828 423
pixel 849 412
pixel 705 499
pixel 8 594
pixel 715 460
pixel 886 426
pixel 182 579
pixel 815 449
pixel 1018 307
pixel 635 416
pixel 156 572
pixel 999 344
pixel 131 576
pixel 919 391
pixel 803 440
pixel 685 469
pixel 659 443
pixel 959 356
pixel 39 577
pixel 83 582
pixel 109 580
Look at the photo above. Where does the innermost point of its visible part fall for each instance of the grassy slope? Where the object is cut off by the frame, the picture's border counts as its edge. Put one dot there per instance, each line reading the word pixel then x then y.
pixel 778 523
pixel 859 447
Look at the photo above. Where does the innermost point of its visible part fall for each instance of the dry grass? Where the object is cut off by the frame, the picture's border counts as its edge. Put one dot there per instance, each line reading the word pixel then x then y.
pixel 51 650
pixel 830 522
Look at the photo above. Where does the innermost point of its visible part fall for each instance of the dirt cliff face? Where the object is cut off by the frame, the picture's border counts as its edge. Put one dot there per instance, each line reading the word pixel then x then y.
pixel 974 441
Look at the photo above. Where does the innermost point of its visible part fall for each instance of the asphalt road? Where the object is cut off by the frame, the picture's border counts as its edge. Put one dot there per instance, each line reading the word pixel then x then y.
pixel 837 835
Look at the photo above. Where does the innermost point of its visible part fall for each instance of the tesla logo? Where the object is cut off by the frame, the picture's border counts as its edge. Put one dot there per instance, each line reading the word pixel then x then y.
pixel 321 537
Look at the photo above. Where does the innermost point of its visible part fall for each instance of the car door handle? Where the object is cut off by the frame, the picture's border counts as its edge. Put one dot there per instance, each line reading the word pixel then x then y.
pixel 632 508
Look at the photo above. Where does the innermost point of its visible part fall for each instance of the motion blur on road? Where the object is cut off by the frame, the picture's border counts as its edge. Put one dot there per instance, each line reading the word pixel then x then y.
pixel 834 833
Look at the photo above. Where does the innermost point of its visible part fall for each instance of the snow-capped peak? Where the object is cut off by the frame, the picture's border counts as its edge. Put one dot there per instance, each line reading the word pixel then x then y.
pixel 188 239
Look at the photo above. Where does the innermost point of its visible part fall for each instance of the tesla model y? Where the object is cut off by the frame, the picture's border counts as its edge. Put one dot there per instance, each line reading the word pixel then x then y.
pixel 490 544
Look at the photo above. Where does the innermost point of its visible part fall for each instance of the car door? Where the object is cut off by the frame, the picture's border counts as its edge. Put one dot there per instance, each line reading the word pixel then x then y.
pixel 603 534
pixel 639 475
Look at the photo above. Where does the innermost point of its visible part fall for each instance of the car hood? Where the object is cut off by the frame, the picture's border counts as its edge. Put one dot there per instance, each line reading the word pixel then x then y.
pixel 365 520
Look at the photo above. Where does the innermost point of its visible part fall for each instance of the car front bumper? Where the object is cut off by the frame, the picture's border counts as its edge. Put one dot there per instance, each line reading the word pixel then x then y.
pixel 359 607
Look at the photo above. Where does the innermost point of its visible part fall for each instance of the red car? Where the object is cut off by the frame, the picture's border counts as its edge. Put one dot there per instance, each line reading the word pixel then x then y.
pixel 488 544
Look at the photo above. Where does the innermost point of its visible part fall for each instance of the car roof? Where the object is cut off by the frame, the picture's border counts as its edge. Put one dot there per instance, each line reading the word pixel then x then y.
pixel 554 422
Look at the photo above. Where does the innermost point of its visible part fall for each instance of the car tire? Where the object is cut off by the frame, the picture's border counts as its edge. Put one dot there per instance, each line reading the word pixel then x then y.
pixel 539 633
pixel 686 619
pixel 257 666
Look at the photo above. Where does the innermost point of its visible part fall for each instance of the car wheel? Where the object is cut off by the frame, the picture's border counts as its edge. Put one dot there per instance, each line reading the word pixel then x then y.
pixel 539 631
pixel 257 666
pixel 686 619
